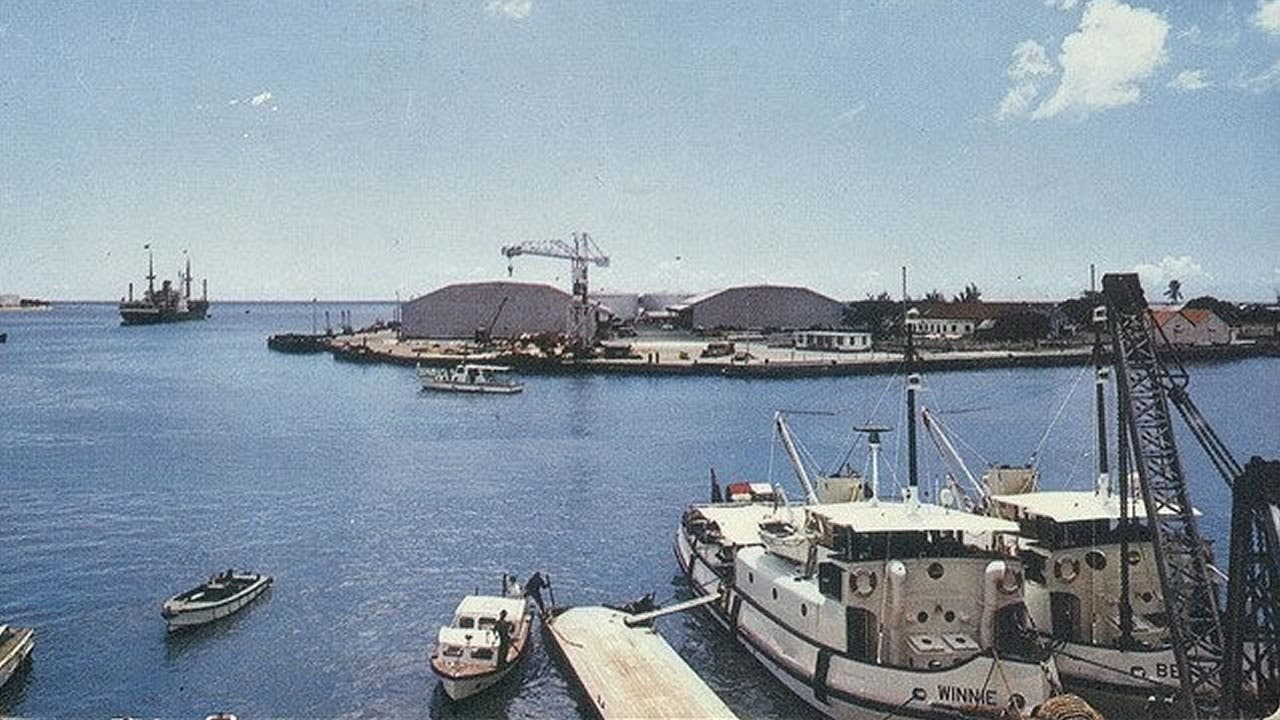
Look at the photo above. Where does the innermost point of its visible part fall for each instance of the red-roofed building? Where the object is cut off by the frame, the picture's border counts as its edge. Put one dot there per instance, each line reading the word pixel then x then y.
pixel 1193 326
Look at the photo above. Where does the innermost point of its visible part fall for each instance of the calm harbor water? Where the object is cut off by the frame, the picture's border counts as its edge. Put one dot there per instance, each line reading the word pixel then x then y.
pixel 135 461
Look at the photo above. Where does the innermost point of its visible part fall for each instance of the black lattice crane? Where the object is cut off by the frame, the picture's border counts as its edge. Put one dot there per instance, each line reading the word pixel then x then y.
pixel 581 251
pixel 1226 667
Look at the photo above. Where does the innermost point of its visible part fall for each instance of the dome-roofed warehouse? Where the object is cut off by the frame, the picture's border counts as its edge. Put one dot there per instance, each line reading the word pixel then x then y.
pixel 759 307
pixel 457 311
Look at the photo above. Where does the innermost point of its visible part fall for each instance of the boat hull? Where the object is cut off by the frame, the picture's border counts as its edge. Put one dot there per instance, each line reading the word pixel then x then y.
pixel 841 687
pixel 14 651
pixel 488 389
pixel 153 316
pixel 188 618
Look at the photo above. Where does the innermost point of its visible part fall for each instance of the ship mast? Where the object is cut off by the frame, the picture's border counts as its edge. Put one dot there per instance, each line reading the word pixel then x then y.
pixel 151 272
pixel 187 278
pixel 913 385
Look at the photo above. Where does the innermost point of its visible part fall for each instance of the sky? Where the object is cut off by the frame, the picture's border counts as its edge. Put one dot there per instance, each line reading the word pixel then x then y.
pixel 356 150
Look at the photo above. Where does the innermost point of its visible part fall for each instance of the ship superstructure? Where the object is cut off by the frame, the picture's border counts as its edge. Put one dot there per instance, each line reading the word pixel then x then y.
pixel 167 304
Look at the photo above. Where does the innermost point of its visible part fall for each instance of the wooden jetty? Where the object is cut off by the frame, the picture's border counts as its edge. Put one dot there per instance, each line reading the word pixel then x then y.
pixel 625 668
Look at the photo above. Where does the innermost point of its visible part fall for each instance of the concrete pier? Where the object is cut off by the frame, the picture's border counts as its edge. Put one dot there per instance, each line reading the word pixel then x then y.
pixel 684 357
pixel 628 671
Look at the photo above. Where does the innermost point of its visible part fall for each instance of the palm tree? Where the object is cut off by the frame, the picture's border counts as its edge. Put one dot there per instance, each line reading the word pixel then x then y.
pixel 1174 291
pixel 971 294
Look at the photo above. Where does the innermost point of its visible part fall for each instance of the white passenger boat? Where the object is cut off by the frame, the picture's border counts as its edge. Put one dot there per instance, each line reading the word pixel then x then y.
pixel 1093 585
pixel 16 645
pixel 875 608
pixel 473 652
pixel 470 378
pixel 1072 550
pixel 218 597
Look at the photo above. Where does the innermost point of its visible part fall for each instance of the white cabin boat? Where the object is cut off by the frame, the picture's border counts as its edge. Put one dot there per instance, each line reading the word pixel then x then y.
pixel 16 645
pixel 868 609
pixel 470 378
pixel 875 608
pixel 1072 551
pixel 470 654
pixel 214 599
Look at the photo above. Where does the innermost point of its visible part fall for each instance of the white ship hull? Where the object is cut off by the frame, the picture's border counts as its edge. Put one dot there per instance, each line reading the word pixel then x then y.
pixel 15 652
pixel 200 616
pixel 461 688
pixel 847 689
pixel 463 387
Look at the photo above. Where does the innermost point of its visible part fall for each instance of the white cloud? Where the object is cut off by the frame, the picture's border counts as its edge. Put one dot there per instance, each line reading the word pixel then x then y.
pixel 1029 64
pixel 262 98
pixel 1063 5
pixel 1225 32
pixel 1116 47
pixel 1268 79
pixel 510 9
pixel 1267 19
pixel 852 112
pixel 1190 81
pixel 1155 277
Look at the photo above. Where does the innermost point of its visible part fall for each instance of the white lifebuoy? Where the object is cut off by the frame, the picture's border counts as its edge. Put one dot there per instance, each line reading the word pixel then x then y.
pixel 862 582
pixel 1066 569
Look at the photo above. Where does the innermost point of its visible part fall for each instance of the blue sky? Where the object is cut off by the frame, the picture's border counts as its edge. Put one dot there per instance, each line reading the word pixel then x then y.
pixel 356 150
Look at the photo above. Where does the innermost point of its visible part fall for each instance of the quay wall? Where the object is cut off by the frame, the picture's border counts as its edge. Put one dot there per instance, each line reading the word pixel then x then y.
pixel 397 354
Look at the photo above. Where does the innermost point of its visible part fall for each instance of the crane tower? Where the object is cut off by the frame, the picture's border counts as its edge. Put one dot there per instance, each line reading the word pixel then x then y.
pixel 581 251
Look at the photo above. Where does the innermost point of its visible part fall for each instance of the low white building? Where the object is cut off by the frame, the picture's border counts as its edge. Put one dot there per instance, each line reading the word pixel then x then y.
pixel 832 340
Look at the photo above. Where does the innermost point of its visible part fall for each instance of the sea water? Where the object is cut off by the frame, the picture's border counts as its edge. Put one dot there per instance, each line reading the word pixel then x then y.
pixel 135 461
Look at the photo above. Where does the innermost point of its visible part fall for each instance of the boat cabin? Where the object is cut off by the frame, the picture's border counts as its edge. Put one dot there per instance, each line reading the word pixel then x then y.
pixel 1072 551
pixel 925 587
pixel 471 635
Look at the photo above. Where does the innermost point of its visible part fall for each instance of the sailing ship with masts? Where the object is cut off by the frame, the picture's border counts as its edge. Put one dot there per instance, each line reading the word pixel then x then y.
pixel 875 606
pixel 169 303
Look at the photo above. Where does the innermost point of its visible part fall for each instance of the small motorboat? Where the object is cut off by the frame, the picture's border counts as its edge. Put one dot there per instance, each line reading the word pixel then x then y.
pixel 15 648
pixel 489 635
pixel 470 378
pixel 220 596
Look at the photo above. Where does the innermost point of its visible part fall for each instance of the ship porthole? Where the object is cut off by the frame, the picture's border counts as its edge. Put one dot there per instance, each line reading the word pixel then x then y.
pixel 1019 701
pixel 935 570
pixel 949 616
pixel 1135 557
pixel 751 578
pixel 1066 569
pixel 1095 559
pixel 775 593
pixel 804 611
pixel 922 617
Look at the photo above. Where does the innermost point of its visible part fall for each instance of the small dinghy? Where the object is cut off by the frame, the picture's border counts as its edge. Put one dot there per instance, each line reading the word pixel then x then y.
pixel 489 635
pixel 15 647
pixel 220 596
